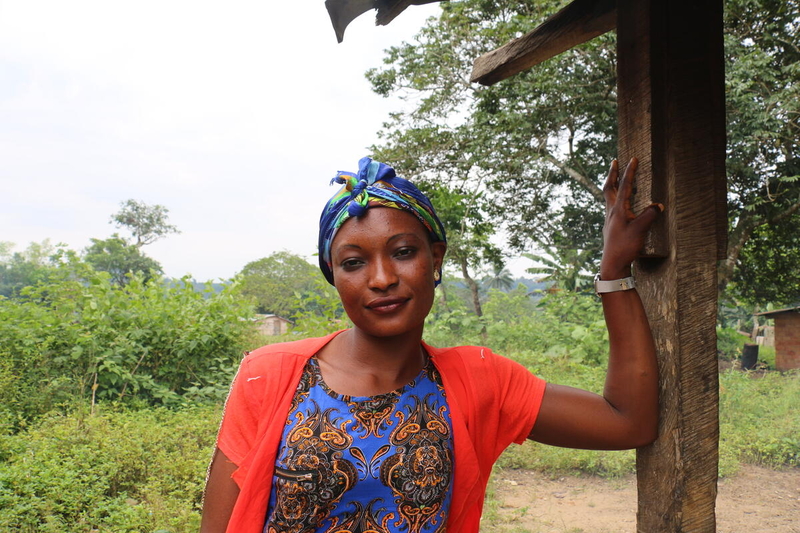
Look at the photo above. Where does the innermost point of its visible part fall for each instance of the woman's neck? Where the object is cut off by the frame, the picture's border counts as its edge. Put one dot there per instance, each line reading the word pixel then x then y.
pixel 356 364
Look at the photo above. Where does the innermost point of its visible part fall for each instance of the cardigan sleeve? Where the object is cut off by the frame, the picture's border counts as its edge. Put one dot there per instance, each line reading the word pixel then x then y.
pixel 520 398
pixel 239 427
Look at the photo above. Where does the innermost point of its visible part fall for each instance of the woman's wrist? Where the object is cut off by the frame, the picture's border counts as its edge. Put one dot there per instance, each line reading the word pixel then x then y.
pixel 608 273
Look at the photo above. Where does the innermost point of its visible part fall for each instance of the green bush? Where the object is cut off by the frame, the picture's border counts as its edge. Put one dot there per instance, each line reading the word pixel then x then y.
pixel 758 422
pixel 561 325
pixel 758 417
pixel 81 337
pixel 129 471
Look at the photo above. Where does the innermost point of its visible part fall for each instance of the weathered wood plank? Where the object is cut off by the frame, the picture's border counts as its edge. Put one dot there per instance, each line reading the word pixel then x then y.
pixel 642 120
pixel 671 90
pixel 576 23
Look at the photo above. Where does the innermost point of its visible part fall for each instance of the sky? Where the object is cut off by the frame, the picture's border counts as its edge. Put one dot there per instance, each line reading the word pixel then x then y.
pixel 233 115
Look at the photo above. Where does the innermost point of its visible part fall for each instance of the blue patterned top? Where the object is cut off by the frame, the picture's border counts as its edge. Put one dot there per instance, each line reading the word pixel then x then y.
pixel 382 464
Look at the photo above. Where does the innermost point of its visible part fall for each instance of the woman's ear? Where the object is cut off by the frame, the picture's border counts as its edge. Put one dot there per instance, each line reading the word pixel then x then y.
pixel 438 250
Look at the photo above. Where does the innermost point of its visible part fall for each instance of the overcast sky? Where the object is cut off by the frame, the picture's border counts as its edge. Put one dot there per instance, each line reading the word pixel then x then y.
pixel 234 115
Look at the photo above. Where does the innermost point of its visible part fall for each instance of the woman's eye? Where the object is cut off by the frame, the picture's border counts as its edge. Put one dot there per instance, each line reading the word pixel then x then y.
pixel 405 252
pixel 350 264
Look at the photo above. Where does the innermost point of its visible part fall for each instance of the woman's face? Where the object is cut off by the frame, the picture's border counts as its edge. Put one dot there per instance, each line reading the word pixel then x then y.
pixel 383 264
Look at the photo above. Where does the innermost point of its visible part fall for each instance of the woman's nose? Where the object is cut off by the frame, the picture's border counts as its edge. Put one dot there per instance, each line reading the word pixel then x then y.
pixel 382 275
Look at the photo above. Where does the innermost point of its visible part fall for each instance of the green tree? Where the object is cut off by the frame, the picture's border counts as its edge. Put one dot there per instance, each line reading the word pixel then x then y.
pixel 769 273
pixel 82 336
pixel 120 259
pixel 277 283
pixel 147 223
pixel 526 143
pixel 27 268
pixel 762 45
pixel 565 268
pixel 538 144
pixel 499 279
pixel 469 232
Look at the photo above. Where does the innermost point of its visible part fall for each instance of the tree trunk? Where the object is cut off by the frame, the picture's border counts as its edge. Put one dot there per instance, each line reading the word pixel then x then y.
pixel 473 287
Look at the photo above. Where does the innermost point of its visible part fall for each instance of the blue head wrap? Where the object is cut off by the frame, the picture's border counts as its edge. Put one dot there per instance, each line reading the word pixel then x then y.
pixel 375 185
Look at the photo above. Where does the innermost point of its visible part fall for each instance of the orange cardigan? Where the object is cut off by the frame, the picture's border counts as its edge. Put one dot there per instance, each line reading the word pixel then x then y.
pixel 493 402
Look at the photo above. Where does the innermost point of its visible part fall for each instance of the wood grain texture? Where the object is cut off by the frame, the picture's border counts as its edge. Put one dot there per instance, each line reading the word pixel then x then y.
pixel 672 118
pixel 576 23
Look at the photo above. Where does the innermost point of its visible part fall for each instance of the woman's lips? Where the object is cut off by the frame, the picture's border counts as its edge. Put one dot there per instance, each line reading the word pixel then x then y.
pixel 386 305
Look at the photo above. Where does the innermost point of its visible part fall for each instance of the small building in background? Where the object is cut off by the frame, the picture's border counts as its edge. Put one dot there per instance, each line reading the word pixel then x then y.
pixel 272 324
pixel 787 337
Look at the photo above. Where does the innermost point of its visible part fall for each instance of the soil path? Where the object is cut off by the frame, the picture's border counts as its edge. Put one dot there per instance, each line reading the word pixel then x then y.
pixel 756 500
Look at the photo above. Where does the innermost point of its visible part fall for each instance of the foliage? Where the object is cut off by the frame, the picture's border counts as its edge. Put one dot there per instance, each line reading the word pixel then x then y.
pixel 768 270
pixel 278 282
pixel 82 336
pixel 500 279
pixel 758 417
pixel 522 143
pixel 560 325
pixel 762 45
pixel 22 269
pixel 565 268
pixel 536 145
pixel 126 471
pixel 321 310
pixel 469 233
pixel 147 223
pixel 120 259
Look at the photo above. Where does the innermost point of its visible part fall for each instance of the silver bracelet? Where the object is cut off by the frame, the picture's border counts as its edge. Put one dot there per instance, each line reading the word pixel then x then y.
pixel 614 285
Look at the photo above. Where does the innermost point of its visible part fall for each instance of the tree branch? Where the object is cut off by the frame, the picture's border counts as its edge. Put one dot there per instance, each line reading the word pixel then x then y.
pixel 739 236
pixel 588 184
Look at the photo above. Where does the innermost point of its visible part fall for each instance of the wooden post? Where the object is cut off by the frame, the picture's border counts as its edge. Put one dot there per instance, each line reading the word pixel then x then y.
pixel 671 116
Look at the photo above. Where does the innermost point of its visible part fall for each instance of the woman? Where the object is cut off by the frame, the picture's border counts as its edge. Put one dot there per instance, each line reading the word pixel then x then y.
pixel 370 429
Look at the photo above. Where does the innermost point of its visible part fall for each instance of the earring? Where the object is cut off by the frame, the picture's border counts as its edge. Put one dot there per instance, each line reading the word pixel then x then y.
pixel 436 275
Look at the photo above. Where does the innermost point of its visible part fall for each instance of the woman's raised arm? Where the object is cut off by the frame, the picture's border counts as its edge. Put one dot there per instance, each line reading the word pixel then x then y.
pixel 626 415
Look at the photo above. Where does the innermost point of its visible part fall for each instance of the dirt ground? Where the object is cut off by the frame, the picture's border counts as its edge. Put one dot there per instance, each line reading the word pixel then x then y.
pixel 756 500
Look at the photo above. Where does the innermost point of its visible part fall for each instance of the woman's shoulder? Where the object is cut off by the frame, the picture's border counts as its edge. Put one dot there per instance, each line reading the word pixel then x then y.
pixel 465 353
pixel 473 357
pixel 302 348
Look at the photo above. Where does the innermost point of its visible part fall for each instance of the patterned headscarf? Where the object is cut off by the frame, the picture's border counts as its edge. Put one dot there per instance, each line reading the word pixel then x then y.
pixel 375 185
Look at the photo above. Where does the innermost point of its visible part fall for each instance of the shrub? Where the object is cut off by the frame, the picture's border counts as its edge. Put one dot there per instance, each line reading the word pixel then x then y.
pixel 128 471
pixel 83 337
pixel 758 417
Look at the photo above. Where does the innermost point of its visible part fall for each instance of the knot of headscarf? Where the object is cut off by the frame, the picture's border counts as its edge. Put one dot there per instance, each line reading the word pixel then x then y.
pixel 375 185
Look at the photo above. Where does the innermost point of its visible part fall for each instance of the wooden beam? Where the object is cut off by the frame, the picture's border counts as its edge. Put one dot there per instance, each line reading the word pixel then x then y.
pixel 672 117
pixel 576 23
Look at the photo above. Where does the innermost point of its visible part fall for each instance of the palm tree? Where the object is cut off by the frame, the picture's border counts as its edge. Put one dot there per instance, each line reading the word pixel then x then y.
pixel 500 279
pixel 566 268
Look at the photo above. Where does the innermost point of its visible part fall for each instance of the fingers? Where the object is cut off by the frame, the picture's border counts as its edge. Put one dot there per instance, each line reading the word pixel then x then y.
pixel 615 189
pixel 646 218
pixel 610 186
pixel 625 186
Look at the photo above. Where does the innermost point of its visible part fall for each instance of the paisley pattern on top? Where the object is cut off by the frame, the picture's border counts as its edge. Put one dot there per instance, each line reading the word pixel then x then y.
pixel 381 464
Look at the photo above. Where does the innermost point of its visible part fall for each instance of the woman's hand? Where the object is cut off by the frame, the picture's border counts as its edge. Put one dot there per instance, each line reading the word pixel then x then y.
pixel 623 232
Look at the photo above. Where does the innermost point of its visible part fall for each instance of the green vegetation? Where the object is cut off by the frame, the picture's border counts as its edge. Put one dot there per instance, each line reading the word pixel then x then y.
pixel 128 464
pixel 122 471
pixel 80 338
pixel 112 378
pixel 529 155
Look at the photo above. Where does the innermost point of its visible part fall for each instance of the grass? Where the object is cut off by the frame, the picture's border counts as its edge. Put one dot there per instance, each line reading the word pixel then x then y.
pixel 142 471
